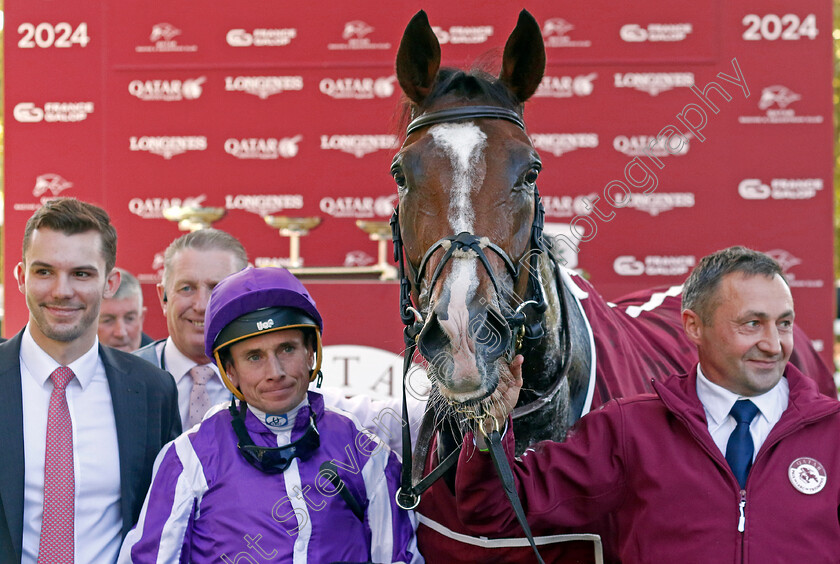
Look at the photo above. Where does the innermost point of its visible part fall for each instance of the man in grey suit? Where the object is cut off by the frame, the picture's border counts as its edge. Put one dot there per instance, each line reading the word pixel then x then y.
pixel 192 266
pixel 82 423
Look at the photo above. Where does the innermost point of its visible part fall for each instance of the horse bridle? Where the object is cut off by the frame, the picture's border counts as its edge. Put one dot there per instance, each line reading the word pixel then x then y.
pixel 531 310
pixel 524 323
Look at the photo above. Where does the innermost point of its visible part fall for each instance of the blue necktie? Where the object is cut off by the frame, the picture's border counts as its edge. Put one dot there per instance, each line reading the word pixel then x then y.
pixel 740 448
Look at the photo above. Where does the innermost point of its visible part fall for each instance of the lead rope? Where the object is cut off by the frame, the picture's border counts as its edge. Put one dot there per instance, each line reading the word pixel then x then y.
pixel 500 462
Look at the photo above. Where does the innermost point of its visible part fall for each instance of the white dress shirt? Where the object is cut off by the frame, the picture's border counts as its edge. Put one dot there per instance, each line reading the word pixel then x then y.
pixel 179 366
pixel 96 463
pixel 718 401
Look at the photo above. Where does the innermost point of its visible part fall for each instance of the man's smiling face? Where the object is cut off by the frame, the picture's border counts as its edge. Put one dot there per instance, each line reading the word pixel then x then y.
pixel 194 274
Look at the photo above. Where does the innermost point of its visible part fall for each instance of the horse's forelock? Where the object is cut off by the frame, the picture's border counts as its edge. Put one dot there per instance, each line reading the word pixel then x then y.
pixel 476 86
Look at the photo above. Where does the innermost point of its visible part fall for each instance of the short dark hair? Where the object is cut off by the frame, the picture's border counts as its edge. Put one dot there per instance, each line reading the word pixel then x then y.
pixel 71 217
pixel 700 289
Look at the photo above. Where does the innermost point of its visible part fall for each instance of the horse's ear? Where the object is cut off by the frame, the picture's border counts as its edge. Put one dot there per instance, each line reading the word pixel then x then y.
pixel 418 58
pixel 523 63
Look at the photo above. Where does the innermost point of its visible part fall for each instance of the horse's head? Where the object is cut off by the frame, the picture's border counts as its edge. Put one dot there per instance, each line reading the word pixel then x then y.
pixel 466 178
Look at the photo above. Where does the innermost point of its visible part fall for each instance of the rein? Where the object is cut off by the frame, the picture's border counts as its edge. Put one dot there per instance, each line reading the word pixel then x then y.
pixel 525 323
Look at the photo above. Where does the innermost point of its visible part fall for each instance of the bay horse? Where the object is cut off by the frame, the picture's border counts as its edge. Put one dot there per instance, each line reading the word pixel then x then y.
pixel 480 282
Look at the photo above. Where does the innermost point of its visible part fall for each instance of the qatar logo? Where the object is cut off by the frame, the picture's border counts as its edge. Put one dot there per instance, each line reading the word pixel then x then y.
pixel 807 475
pixel 358 207
pixel 648 145
pixel 780 96
pixel 358 88
pixel 160 90
pixel 263 148
pixel 566 86
pixel 152 208
pixel 555 34
pixel 53 183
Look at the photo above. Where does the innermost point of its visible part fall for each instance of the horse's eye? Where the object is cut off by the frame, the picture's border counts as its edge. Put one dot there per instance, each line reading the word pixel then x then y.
pixel 531 175
pixel 399 178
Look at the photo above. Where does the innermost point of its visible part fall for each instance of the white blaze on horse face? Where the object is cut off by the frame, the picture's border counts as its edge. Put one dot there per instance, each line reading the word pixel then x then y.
pixel 464 144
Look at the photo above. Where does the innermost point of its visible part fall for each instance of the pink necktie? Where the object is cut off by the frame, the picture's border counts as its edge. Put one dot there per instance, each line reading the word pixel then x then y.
pixel 199 398
pixel 56 545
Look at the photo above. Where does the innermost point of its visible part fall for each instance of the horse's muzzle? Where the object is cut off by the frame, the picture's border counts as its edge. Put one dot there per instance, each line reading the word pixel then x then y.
pixel 443 344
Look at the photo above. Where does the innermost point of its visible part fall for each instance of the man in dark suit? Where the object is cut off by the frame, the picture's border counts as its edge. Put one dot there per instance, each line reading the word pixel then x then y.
pixel 82 423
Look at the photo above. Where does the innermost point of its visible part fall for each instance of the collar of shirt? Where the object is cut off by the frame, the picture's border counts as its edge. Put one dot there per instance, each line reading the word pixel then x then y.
pixel 179 365
pixel 279 423
pixel 718 401
pixel 40 365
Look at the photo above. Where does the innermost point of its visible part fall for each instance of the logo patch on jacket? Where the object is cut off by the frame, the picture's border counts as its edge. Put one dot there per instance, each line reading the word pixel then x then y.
pixel 807 475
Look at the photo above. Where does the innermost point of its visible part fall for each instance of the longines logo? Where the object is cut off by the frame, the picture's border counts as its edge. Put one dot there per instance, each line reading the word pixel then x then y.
pixel 358 88
pixel 263 86
pixel 653 82
pixel 163 41
pixel 566 86
pixel 263 204
pixel 27 112
pixel 168 147
pixel 260 37
pixel 263 148
pixel 559 143
pixel 655 203
pixel 463 34
pixel 160 90
pixel 359 145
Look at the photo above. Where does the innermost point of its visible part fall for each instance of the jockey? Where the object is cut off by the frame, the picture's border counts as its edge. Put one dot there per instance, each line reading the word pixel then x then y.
pixel 260 478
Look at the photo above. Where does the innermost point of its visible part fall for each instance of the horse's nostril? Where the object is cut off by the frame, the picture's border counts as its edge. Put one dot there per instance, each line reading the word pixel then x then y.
pixel 433 339
pixel 491 333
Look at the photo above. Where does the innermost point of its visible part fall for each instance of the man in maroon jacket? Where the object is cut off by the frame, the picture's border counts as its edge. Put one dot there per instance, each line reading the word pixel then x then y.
pixel 736 461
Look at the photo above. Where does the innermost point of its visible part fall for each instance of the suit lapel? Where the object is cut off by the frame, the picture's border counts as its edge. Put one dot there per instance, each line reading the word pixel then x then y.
pixel 11 441
pixel 128 393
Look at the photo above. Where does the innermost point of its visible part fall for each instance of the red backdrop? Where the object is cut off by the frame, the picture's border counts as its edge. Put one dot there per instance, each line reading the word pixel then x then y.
pixel 287 108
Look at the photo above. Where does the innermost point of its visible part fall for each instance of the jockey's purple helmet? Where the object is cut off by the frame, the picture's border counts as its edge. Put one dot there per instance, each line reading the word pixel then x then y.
pixel 256 301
